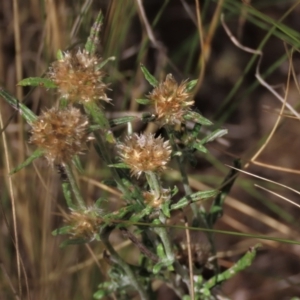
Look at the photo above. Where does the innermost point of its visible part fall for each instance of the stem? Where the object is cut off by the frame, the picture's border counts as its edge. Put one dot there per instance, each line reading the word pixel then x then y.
pixel 74 186
pixel 104 235
pixel 153 181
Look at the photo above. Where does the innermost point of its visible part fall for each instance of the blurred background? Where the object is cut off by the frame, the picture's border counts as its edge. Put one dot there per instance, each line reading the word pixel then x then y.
pixel 164 36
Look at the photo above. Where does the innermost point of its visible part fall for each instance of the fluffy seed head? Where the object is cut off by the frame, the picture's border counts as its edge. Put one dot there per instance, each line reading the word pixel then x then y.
pixel 78 78
pixel 171 101
pixel 84 223
pixel 144 153
pixel 60 133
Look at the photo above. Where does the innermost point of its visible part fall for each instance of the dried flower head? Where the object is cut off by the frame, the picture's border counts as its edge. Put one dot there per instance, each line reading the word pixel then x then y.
pixel 144 153
pixel 78 77
pixel 61 133
pixel 84 223
pixel 171 101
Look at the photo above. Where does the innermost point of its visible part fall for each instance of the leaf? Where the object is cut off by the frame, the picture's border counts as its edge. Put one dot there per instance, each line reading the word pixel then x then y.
pixel 198 146
pixel 143 101
pixel 61 230
pixel 193 198
pixel 240 265
pixel 92 41
pixel 123 120
pixel 166 209
pixel 191 84
pixel 36 154
pixel 216 209
pixel 27 114
pixel 59 55
pixel 150 78
pixel 197 118
pixel 119 166
pixel 214 135
pixel 38 81
pixel 77 163
pixel 102 64
pixel 68 194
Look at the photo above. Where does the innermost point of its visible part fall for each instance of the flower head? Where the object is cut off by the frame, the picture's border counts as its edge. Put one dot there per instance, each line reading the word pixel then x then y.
pixel 78 77
pixel 84 223
pixel 61 133
pixel 171 101
pixel 145 153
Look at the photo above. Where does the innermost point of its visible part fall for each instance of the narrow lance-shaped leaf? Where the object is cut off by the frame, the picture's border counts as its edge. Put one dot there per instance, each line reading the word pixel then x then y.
pixel 143 101
pixel 197 118
pixel 242 263
pixel 68 194
pixel 150 78
pixel 62 230
pixel 103 63
pixel 38 81
pixel 27 114
pixel 73 242
pixel 36 154
pixel 214 135
pixel 217 205
pixel 93 40
pixel 191 84
pixel 193 198
pixel 120 121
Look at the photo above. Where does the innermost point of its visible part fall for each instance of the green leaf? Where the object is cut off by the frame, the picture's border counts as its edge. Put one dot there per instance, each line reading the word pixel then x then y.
pixel 214 135
pixel 62 230
pixel 59 55
pixel 193 198
pixel 93 41
pixel 119 166
pixel 77 163
pixel 217 205
pixel 150 78
pixel 27 114
pixel 166 209
pixel 191 84
pixel 198 146
pixel 197 118
pixel 38 81
pixel 102 64
pixel 243 263
pixel 66 187
pixel 143 101
pixel 123 120
pixel 36 154
pixel 99 294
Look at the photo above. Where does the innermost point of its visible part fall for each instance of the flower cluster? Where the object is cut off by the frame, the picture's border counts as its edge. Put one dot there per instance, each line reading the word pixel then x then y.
pixel 78 77
pixel 61 133
pixel 171 101
pixel 144 153
pixel 85 223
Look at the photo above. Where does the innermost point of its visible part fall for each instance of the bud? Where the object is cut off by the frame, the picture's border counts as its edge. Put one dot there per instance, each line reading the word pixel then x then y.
pixel 61 134
pixel 171 101
pixel 145 153
pixel 84 223
pixel 78 77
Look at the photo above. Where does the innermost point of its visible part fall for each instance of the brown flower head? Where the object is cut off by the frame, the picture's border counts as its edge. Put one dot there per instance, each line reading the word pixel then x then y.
pixel 145 153
pixel 61 133
pixel 78 77
pixel 84 223
pixel 171 101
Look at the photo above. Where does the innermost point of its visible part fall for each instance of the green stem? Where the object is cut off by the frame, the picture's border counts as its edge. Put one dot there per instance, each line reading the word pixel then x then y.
pixel 74 186
pixel 153 181
pixel 104 235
